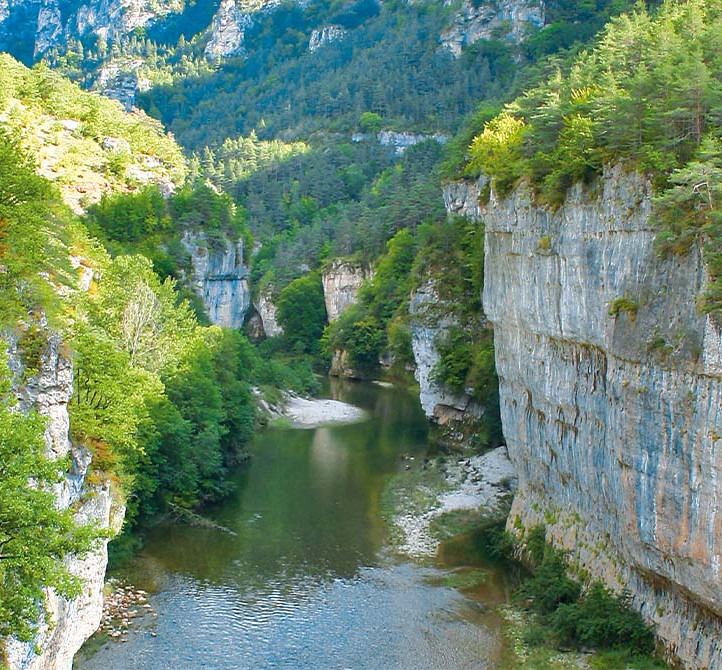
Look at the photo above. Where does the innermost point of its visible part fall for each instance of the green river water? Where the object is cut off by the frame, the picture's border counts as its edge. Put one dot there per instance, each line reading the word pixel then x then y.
pixel 307 581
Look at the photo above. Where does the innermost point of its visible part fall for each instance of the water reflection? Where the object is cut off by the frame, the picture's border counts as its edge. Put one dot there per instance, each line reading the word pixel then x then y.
pixel 304 583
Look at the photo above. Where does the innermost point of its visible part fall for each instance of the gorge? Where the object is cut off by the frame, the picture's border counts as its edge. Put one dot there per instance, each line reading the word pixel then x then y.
pixel 493 226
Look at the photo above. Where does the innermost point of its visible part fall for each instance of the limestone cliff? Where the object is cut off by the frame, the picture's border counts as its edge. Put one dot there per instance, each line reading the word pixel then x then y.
pixel 220 278
pixel 325 35
pixel 234 17
pixel 51 23
pixel 431 318
pixel 341 283
pixel 474 21
pixel 266 309
pixel 69 622
pixel 611 399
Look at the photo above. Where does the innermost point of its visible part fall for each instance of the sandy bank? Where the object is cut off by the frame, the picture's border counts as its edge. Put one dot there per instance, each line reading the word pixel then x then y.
pixel 309 412
pixel 316 412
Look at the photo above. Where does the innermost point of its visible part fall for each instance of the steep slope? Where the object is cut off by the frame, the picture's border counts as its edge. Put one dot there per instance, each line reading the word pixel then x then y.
pixel 612 418
pixel 83 142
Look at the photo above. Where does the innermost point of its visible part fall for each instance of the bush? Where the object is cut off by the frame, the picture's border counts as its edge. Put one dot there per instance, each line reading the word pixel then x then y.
pixel 601 620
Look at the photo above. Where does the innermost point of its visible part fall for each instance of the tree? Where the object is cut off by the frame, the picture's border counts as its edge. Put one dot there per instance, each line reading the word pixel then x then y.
pixel 35 536
pixel 302 312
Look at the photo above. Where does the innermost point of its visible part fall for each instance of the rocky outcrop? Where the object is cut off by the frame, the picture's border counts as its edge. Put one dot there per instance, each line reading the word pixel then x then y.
pixel 119 80
pixel 228 30
pixel 431 319
pixel 611 400
pixel 232 20
pixel 325 35
pixel 68 622
pixel 51 23
pixel 505 19
pixel 266 309
pixel 402 141
pixel 220 278
pixel 342 366
pixel 341 283
pixel 462 198
pixel 50 27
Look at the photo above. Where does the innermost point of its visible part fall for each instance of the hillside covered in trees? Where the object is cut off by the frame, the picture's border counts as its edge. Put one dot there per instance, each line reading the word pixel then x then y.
pixel 307 155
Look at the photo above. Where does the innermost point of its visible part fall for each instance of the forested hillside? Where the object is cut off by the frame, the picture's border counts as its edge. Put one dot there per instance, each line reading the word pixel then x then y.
pixel 324 135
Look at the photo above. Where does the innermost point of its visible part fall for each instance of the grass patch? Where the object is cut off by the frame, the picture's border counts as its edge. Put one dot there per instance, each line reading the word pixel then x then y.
pixel 465 579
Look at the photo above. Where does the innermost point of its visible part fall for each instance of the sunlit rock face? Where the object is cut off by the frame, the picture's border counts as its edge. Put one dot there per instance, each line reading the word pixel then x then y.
pixel 220 278
pixel 611 398
pixel 68 622
pixel 325 35
pixel 341 283
pixel 267 312
pixel 51 23
pixel 505 19
pixel 233 19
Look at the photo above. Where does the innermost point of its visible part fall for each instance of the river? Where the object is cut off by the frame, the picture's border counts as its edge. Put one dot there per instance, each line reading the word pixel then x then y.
pixel 306 581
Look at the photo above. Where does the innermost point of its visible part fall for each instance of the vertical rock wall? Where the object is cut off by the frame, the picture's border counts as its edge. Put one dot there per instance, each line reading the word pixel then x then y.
pixel 220 278
pixel 341 284
pixel 70 622
pixel 613 422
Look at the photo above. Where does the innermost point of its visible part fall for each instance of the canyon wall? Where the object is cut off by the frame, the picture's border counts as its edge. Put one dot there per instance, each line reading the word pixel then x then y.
pixel 611 398
pixel 220 278
pixel 430 320
pixel 69 622
pixel 341 283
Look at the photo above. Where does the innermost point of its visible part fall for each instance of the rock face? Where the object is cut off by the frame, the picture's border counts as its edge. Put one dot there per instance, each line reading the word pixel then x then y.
pixel 220 278
pixel 462 198
pixel 266 309
pixel 613 423
pixel 402 141
pixel 232 20
pixel 51 23
pixel 72 622
pixel 474 21
pixel 228 30
pixel 325 35
pixel 430 320
pixel 119 80
pixel 341 283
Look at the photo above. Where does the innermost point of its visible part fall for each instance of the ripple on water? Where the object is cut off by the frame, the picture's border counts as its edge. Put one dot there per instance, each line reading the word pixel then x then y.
pixel 288 591
pixel 386 618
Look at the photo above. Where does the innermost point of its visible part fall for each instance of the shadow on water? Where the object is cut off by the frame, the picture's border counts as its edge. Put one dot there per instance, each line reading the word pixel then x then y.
pixel 305 582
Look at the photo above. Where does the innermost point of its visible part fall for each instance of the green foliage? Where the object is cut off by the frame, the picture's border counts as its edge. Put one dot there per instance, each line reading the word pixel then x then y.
pixel 128 218
pixel 497 151
pixel 302 313
pixel 601 619
pixel 35 536
pixel 29 237
pixel 623 305
pixel 569 615
pixel 370 122
pixel 35 99
pixel 549 587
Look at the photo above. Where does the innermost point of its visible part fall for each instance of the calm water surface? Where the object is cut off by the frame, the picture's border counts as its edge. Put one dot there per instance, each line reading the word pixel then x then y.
pixel 306 583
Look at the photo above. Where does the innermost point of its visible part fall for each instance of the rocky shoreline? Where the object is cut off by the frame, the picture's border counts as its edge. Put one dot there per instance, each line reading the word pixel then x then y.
pixel 123 604
pixel 302 412
pixel 434 500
